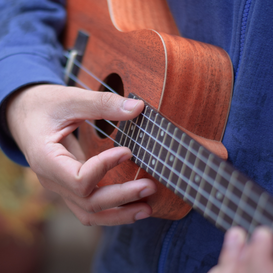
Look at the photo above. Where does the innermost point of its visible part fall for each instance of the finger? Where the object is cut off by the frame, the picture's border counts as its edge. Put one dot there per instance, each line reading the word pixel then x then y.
pixel 111 196
pixel 71 143
pixel 262 242
pixel 81 178
pixel 234 242
pixel 117 216
pixel 258 253
pixel 101 105
pixel 106 197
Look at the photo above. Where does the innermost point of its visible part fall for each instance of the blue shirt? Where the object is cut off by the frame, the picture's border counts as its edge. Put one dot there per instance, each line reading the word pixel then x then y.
pixel 30 52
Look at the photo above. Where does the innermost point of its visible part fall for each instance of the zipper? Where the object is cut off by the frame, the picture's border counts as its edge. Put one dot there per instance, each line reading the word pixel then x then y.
pixel 166 247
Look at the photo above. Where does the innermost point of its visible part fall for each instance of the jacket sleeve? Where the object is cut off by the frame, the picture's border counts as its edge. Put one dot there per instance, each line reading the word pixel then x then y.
pixel 30 53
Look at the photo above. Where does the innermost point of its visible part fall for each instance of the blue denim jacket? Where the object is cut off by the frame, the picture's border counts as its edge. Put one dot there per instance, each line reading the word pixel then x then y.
pixel 30 52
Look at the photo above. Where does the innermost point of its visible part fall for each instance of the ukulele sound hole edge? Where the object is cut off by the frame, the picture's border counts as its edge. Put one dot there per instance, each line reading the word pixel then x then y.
pixel 115 82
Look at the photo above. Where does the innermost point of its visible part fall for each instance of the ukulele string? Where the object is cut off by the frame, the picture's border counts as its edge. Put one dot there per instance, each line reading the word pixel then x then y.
pixel 255 198
pixel 169 167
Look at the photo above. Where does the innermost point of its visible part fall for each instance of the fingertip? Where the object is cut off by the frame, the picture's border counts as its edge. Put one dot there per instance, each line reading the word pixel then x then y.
pixel 127 154
pixel 235 238
pixel 132 106
pixel 129 104
pixel 262 234
pixel 141 215
pixel 147 192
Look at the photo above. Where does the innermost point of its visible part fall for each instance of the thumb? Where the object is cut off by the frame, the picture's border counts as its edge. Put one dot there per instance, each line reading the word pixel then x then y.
pixel 102 105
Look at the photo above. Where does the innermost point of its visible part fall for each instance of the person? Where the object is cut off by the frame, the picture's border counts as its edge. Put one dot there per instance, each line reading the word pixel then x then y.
pixel 38 115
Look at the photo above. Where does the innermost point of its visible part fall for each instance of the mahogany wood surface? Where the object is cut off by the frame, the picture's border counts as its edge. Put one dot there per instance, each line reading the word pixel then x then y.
pixel 189 82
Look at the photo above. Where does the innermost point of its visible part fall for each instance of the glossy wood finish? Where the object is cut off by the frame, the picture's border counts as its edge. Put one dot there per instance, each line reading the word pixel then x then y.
pixel 187 81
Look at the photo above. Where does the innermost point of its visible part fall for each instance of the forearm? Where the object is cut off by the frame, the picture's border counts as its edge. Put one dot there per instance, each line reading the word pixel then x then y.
pixel 30 52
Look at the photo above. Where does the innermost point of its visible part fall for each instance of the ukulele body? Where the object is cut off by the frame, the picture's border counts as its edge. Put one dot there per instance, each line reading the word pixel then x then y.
pixel 136 48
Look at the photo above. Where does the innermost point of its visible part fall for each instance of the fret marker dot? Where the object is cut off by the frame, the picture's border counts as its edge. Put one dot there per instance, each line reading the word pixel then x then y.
pixel 219 195
pixel 197 178
pixel 153 161
pixel 141 135
pixel 171 158
pixel 162 133
pixel 132 127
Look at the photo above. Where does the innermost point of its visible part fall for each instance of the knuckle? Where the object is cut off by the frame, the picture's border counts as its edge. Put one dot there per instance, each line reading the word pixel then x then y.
pixel 96 208
pixel 103 165
pixel 81 190
pixel 106 98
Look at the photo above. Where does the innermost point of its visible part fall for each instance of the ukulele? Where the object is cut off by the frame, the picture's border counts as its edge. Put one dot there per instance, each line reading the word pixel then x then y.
pixel 135 50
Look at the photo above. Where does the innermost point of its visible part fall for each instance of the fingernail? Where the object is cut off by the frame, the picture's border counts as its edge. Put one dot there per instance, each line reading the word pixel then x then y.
pixel 146 192
pixel 141 215
pixel 261 234
pixel 129 105
pixel 124 158
pixel 234 239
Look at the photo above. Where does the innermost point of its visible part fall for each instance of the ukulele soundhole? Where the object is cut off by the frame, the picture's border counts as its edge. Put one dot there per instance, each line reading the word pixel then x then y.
pixel 114 81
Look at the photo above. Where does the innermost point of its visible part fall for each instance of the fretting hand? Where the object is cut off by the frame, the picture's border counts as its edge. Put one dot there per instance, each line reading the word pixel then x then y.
pixel 239 256
pixel 41 119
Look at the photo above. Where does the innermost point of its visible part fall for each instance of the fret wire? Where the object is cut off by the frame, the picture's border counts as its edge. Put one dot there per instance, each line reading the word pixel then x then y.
pixel 208 178
pixel 225 175
pixel 194 153
pixel 204 193
pixel 212 217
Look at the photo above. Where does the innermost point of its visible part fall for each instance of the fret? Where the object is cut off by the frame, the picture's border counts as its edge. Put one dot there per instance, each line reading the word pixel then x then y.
pixel 187 173
pixel 163 154
pixel 137 145
pixel 226 201
pixel 170 157
pixel 119 137
pixel 146 156
pixel 239 214
pixel 206 187
pixel 257 216
pixel 124 137
pixel 133 131
pixel 178 164
pixel 157 149
pixel 262 213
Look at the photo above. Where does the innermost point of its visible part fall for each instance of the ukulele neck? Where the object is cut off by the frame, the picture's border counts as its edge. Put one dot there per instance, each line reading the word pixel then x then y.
pixel 209 184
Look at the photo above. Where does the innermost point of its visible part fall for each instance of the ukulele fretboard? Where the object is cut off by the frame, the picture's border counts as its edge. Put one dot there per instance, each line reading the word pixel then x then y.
pixel 209 184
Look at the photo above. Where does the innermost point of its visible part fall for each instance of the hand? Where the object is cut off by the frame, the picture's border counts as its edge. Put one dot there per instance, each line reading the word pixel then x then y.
pixel 238 256
pixel 41 119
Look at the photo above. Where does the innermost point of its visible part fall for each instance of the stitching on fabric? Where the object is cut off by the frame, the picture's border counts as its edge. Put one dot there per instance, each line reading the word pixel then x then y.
pixel 243 33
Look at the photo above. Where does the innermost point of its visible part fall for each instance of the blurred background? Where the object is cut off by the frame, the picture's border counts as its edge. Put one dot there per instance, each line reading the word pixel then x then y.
pixel 38 234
